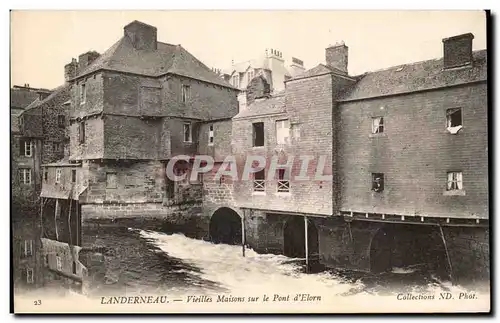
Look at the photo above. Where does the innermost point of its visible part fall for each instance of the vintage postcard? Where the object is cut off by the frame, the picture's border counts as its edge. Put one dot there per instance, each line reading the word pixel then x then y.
pixel 249 162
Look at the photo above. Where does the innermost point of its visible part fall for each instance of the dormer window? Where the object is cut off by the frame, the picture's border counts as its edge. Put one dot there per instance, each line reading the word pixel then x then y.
pixel 236 80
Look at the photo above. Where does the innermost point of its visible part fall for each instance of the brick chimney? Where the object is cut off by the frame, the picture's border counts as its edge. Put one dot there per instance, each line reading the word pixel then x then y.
pixel 141 35
pixel 70 70
pixel 457 50
pixel 297 67
pixel 337 56
pixel 258 88
pixel 86 59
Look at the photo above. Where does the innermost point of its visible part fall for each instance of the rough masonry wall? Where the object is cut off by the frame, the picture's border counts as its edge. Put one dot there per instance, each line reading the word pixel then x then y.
pixel 94 99
pixel 93 147
pixel 415 171
pixel 54 133
pixel 136 182
pixel 134 138
pixel 221 146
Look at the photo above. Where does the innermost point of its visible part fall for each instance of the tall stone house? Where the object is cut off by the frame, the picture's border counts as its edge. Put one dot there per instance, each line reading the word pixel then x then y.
pixel 23 190
pixel 271 66
pixel 406 149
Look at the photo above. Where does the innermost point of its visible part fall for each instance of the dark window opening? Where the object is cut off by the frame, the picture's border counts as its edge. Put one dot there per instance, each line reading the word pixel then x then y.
pixel 81 132
pixel 187 132
pixel 377 125
pixel 283 182
pixel 73 176
pixel 258 134
pixel 45 175
pixel 61 121
pixel 454 120
pixel 186 93
pixel 377 182
pixel 259 183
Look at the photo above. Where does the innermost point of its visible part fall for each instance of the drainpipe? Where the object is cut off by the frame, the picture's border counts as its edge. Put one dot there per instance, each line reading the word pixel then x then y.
pixel 306 244
pixel 243 233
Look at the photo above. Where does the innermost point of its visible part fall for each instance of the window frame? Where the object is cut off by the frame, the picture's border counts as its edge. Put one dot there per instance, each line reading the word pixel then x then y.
pixel 380 125
pixel 185 93
pixel 190 127
pixel 457 181
pixel 283 184
pixel 108 176
pixel 211 135
pixel 28 248
pixel 58 263
pixel 254 134
pixel 81 132
pixel 73 176
pixel 30 275
pixel 259 185
pixel 26 174
pixel 83 93
pixel 58 176
pixel 61 121
pixel 236 80
pixel 283 123
pixel 454 129
pixel 374 177
pixel 28 148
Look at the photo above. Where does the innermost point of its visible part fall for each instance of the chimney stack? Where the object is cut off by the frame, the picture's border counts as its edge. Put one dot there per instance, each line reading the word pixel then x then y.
pixel 337 57
pixel 457 50
pixel 86 59
pixel 70 70
pixel 141 35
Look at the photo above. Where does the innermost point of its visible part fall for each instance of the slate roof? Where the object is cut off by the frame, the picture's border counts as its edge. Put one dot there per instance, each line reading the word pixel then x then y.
pixel 263 107
pixel 167 58
pixel 55 92
pixel 416 77
pixel 319 69
pixel 21 98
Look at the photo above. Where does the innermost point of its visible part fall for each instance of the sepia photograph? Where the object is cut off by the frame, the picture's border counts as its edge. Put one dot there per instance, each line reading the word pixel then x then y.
pixel 244 161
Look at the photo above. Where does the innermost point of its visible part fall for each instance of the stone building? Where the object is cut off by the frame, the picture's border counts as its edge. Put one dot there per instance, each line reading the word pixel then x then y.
pixel 406 149
pixel 23 193
pixel 271 66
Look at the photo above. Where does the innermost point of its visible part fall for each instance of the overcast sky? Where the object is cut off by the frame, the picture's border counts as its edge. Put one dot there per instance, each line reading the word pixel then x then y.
pixel 42 42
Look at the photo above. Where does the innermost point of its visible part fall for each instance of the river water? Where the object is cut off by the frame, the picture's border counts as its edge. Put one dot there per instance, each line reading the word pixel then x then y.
pixel 149 262
pixel 143 262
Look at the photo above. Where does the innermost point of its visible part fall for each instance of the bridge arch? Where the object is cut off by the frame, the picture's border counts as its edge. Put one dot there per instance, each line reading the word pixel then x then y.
pixel 225 226
pixel 408 245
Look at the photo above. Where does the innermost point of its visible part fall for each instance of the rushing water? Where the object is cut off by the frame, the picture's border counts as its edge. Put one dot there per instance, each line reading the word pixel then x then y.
pixel 152 262
pixel 142 262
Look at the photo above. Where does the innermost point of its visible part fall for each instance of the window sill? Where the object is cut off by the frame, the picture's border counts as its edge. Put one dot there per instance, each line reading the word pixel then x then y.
pixel 283 193
pixel 454 193
pixel 258 147
pixel 210 145
pixel 258 193
pixel 376 135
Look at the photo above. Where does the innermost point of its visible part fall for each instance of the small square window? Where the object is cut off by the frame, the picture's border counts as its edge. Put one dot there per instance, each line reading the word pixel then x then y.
pixel 377 125
pixel 454 182
pixel 111 180
pixel 454 120
pixel 258 134
pixel 377 182
pixel 283 182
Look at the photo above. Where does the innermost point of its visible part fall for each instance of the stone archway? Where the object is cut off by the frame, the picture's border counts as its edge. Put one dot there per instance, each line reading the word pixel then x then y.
pixel 225 226
pixel 408 245
pixel 294 238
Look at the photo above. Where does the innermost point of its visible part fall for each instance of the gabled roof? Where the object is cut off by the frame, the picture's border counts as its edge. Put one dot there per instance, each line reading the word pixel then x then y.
pixel 418 76
pixel 263 107
pixel 21 98
pixel 320 69
pixel 55 92
pixel 167 58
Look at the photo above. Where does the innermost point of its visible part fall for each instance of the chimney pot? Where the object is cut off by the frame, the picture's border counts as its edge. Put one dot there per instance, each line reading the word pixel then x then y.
pixel 457 50
pixel 337 57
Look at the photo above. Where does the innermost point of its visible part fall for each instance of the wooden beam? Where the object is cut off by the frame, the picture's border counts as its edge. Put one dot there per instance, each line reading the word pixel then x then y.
pixel 306 243
pixel 447 254
pixel 243 233
pixel 56 213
